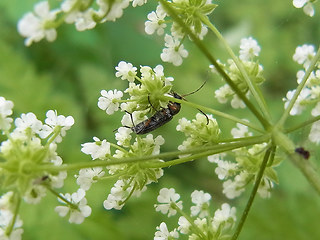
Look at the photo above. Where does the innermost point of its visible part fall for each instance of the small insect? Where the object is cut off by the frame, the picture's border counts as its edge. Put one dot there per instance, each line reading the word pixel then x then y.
pixel 162 116
pixel 304 153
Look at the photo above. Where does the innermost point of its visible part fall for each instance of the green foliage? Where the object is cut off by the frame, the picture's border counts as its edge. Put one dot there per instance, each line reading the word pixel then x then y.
pixel 67 75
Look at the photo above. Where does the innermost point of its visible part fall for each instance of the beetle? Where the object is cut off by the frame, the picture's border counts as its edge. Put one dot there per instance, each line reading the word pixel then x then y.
pixel 304 153
pixel 160 118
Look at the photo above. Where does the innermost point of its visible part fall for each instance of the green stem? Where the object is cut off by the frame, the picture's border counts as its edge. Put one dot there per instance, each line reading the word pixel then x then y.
pixel 17 202
pixel 103 163
pixel 303 124
pixel 215 112
pixel 213 61
pixel 299 89
pixel 252 86
pixel 198 231
pixel 213 150
pixel 253 192
pixel 74 206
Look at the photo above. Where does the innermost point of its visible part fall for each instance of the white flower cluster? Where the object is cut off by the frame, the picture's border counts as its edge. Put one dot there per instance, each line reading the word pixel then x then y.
pixel 237 175
pixel 249 50
pixel 200 224
pixel 190 12
pixel 203 130
pixel 145 97
pixel 307 6
pixel 310 94
pixel 43 22
pixel 133 177
pixel 29 145
pixel 7 218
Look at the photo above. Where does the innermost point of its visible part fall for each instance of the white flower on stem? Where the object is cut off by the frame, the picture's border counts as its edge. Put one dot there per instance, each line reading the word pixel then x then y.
pixel 126 71
pixel 225 169
pixel 249 49
pixel 184 225
pixel 174 51
pixel 111 10
pixel 224 215
pixel 138 2
pixel 55 122
pixel 118 195
pixel 5 111
pixel 156 22
pixel 223 93
pixel 241 131
pixel 316 110
pixel 304 55
pixel 163 233
pixel 88 176
pixel 110 101
pixel 97 149
pixel 307 6
pixel 201 201
pixel 216 157
pixel 232 189
pixel 168 198
pixel 33 25
pixel 6 217
pixel 34 194
pixel 83 20
pixel 123 136
pixel 28 121
pixel 298 107
pixel 236 102
pixel 314 135
pixel 79 209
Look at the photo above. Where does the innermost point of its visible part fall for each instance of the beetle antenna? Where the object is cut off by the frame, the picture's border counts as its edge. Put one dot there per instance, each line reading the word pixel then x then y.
pixel 196 89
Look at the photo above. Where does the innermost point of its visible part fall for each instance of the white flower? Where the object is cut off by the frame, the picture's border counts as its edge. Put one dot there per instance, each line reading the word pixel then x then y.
pixel 126 71
pixel 225 216
pixel 5 111
pixel 316 110
pixel 163 233
pixel 156 21
pixel 28 121
pixel 223 93
pixel 83 20
pixel 298 107
pixel 110 101
pixel 201 201
pixel 307 6
pixel 232 189
pixel 113 11
pixel 225 169
pixel 56 123
pixel 249 49
pixel 123 136
pixel 34 194
pixel 88 176
pixel 314 135
pixel 167 198
pixel 241 131
pixel 304 55
pixel 5 221
pixel 236 102
pixel 97 149
pixel 138 2
pixel 116 199
pixel 174 51
pixel 33 25
pixel 82 210
pixel 216 158
pixel 184 225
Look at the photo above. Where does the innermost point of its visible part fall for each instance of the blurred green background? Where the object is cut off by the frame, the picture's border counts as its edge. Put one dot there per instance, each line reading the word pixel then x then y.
pixel 68 74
